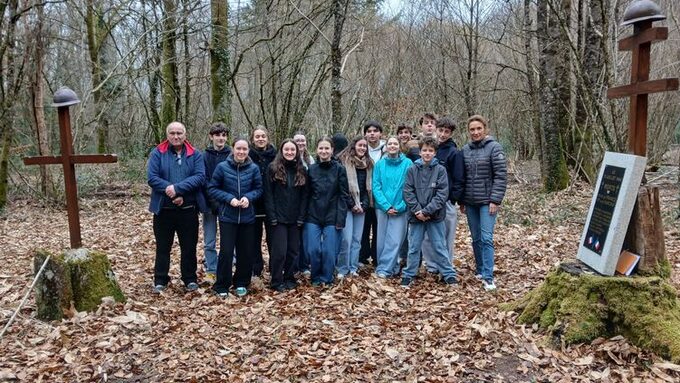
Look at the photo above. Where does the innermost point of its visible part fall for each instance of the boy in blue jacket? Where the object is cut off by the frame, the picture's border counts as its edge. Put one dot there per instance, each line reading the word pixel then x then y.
pixel 426 191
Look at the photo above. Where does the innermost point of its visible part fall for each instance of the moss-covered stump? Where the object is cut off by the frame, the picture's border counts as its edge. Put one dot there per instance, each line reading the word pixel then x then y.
pixel 91 278
pixel 53 293
pixel 579 307
pixel 79 276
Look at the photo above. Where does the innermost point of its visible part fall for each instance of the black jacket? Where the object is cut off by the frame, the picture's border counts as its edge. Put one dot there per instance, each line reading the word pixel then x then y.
pixel 362 174
pixel 452 159
pixel 328 194
pixel 485 172
pixel 262 158
pixel 285 203
pixel 212 158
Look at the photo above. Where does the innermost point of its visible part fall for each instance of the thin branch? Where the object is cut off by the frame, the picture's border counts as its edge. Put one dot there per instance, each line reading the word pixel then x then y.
pixel 344 60
pixel 310 20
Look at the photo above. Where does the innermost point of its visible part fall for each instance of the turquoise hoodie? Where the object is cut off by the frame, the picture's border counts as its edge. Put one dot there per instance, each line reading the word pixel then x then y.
pixel 389 176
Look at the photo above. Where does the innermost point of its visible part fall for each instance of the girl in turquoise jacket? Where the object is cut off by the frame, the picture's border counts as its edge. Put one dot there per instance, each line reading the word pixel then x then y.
pixel 389 176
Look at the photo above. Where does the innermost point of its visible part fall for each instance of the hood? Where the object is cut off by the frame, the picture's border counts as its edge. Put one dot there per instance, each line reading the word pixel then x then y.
pixel 394 161
pixel 225 149
pixel 420 163
pixel 481 143
pixel 165 145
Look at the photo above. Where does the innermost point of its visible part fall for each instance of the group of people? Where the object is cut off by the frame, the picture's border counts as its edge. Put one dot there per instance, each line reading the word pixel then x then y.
pixel 359 201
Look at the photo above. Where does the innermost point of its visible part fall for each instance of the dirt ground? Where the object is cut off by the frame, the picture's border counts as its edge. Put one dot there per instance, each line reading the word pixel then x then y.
pixel 362 329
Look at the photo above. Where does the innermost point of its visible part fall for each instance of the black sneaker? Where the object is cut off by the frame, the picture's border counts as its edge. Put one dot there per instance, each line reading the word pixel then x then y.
pixel 290 285
pixel 406 282
pixel 450 281
pixel 278 288
pixel 191 286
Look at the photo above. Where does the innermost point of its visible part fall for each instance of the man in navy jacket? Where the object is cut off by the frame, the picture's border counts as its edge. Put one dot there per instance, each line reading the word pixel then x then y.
pixel 176 174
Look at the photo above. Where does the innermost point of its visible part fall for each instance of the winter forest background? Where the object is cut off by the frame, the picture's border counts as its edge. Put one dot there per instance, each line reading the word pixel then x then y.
pixel 538 70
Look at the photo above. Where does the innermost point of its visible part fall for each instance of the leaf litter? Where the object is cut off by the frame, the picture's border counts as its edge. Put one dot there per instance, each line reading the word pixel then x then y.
pixel 363 329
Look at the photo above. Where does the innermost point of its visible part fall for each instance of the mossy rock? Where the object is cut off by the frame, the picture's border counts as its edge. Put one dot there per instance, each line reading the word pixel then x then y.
pixel 91 278
pixel 53 292
pixel 578 308
pixel 80 277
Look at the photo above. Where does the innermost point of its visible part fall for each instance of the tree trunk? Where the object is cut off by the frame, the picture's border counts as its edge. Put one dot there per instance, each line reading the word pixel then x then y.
pixel 96 34
pixel 339 10
pixel 645 236
pixel 553 110
pixel 169 78
pixel 187 117
pixel 219 62
pixel 534 112
pixel 577 307
pixel 53 291
pixel 38 95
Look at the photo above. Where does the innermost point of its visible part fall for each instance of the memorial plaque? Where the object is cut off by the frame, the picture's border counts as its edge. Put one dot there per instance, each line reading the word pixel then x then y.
pixel 610 211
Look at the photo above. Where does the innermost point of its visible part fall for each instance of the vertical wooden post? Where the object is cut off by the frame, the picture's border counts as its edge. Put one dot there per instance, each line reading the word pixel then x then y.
pixel 69 177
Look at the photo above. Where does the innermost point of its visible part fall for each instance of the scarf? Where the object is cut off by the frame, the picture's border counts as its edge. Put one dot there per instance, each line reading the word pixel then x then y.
pixel 351 166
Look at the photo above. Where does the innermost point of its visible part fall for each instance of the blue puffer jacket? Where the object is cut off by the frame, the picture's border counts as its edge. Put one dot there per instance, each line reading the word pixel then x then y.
pixel 158 170
pixel 389 176
pixel 233 180
pixel 452 159
pixel 485 172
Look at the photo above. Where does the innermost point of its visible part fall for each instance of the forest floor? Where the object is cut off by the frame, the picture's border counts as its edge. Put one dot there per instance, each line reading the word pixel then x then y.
pixel 362 329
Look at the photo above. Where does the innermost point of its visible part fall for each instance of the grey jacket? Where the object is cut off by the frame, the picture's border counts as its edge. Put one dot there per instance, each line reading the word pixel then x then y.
pixel 485 172
pixel 426 189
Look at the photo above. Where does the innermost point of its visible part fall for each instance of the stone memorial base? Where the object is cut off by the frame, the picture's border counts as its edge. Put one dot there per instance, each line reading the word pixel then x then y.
pixel 576 305
pixel 78 278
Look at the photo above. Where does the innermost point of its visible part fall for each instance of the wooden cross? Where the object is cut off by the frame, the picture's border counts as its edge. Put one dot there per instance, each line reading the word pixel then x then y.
pixel 641 14
pixel 63 98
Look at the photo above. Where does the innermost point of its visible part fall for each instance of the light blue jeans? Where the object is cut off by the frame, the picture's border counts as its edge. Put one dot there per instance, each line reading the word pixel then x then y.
pixel 440 256
pixel 481 229
pixel 321 245
pixel 348 256
pixel 451 221
pixel 391 235
pixel 209 239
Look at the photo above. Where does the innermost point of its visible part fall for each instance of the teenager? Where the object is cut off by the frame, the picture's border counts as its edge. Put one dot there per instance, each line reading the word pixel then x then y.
pixel 373 132
pixel 236 185
pixel 326 212
pixel 485 185
pixel 285 201
pixel 359 168
pixel 176 174
pixel 425 192
pixel 262 153
pixel 301 141
pixel 389 177
pixel 452 159
pixel 217 152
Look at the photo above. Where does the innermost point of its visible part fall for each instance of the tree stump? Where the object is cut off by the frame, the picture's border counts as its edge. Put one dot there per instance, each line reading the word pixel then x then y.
pixel 645 235
pixel 79 277
pixel 576 305
pixel 53 293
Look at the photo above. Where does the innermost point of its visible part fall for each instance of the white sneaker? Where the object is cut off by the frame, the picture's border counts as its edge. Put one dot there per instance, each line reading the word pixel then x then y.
pixel 340 276
pixel 478 276
pixel 353 274
pixel 489 286
pixel 381 275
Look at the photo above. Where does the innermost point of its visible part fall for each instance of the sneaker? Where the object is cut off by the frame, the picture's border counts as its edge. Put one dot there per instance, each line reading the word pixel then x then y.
pixel 290 285
pixel 317 284
pixel 241 291
pixel 381 275
pixel 340 276
pixel 406 282
pixel 191 286
pixel 478 276
pixel 209 278
pixel 489 285
pixel 306 273
pixel 433 271
pixel 159 289
pixel 353 274
pixel 223 295
pixel 450 281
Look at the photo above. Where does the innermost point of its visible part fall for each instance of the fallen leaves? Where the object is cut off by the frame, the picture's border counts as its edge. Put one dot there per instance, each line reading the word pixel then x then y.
pixel 363 329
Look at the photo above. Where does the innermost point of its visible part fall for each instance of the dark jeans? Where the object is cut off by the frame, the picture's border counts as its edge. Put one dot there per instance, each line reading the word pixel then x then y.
pixel 368 242
pixel 283 253
pixel 258 262
pixel 184 222
pixel 242 237
pixel 303 259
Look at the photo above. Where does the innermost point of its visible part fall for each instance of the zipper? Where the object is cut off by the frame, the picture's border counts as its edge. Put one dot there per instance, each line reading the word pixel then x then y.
pixel 238 183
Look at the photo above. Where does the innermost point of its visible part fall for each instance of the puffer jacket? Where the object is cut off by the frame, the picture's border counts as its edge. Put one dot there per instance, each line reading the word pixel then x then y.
pixel 233 180
pixel 285 203
pixel 328 194
pixel 426 189
pixel 158 174
pixel 452 159
pixel 389 176
pixel 485 172
pixel 212 157
pixel 262 158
